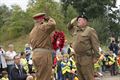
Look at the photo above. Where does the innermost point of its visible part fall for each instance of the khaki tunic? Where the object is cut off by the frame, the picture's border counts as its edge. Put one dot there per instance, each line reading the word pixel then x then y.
pixel 41 44
pixel 86 45
pixel 40 35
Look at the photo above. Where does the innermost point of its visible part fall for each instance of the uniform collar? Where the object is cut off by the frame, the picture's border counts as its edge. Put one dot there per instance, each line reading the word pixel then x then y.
pixel 82 29
pixel 39 23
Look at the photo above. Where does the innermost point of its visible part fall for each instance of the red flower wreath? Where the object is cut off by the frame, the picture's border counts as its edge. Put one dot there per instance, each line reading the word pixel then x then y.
pixel 58 40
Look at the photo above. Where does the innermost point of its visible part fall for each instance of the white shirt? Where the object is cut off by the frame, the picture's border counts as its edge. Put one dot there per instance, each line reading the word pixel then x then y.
pixel 10 55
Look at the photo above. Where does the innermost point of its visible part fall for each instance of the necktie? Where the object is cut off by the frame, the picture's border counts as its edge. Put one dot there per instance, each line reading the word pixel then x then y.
pixel 20 71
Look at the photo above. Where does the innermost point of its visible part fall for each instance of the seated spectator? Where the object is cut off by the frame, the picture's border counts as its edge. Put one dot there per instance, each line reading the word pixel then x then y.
pixel 18 72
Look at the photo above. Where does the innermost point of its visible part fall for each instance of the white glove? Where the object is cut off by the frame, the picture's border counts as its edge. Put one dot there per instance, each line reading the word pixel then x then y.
pixel 30 62
pixel 100 49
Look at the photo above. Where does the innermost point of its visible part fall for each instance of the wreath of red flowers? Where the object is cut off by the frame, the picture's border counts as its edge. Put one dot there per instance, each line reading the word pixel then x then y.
pixel 58 40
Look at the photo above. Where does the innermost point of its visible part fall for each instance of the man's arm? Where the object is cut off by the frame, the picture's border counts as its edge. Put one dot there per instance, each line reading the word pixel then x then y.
pixel 71 26
pixel 94 40
pixel 49 26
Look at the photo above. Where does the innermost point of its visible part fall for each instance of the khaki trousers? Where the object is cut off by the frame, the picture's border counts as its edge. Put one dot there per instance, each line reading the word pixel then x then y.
pixel 42 60
pixel 85 67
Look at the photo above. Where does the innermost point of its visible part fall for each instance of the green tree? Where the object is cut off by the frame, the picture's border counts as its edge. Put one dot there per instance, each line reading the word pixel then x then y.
pixel 92 8
pixel 100 24
pixel 71 13
pixel 4 14
pixel 51 8
pixel 100 13
pixel 19 23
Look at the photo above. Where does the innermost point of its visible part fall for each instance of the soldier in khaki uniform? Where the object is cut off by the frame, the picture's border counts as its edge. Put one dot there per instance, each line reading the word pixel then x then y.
pixel 41 44
pixel 86 44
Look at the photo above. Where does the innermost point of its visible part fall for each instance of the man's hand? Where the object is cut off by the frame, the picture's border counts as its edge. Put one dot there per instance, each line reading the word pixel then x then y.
pixel 73 20
pixel 72 71
pixel 51 21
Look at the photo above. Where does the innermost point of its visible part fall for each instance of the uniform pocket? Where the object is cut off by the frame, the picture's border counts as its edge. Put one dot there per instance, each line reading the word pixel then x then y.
pixel 83 38
pixel 84 43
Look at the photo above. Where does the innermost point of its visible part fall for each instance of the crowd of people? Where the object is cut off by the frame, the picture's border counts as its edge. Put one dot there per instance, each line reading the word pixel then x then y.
pixel 18 66
pixel 110 61
pixel 66 69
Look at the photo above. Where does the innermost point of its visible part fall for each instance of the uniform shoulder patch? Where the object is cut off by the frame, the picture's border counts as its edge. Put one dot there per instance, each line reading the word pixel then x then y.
pixel 90 28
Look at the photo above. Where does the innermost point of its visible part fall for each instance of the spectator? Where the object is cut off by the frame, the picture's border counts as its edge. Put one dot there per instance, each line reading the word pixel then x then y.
pixel 118 61
pixel 9 58
pixel 73 67
pixel 30 65
pixel 18 72
pixel 113 47
pixel 65 48
pixel 3 64
pixel 59 70
pixel 4 75
pixel 97 68
pixel 65 65
pixel 24 61
pixel 112 64
pixel 28 51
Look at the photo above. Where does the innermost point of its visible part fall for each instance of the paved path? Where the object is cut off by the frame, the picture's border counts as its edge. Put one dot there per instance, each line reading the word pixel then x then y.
pixel 108 77
pixel 111 78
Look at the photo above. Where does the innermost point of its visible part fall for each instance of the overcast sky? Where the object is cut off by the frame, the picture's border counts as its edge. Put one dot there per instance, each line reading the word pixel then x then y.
pixel 23 3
